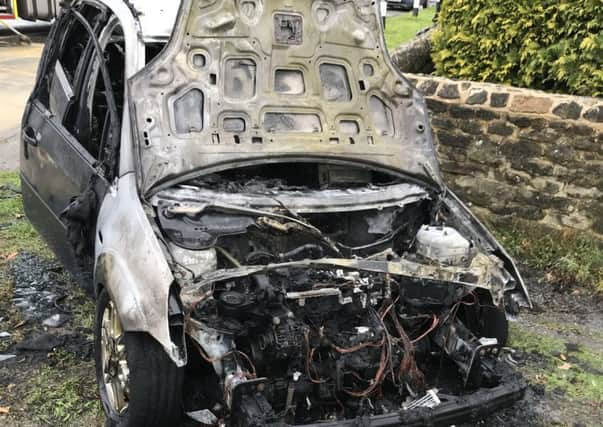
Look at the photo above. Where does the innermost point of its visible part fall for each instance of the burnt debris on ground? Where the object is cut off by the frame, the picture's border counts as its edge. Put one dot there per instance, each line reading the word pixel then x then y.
pixel 48 299
pixel 47 375
pixel 39 286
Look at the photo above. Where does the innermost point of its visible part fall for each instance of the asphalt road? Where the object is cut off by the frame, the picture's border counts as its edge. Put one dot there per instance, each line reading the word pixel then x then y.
pixel 18 66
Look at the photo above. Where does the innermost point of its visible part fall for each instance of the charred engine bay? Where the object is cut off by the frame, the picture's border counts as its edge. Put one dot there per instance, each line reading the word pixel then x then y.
pixel 322 293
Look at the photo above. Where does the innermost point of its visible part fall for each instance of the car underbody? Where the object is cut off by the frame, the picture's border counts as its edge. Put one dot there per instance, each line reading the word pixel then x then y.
pixel 370 305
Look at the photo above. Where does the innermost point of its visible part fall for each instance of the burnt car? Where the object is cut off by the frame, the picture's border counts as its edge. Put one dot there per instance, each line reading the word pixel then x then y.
pixel 249 190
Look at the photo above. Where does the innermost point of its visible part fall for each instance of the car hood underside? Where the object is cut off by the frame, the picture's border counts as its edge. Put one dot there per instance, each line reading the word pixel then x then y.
pixel 245 81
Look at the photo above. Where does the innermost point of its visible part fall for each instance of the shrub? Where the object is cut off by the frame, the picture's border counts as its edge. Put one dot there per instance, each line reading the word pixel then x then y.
pixel 568 259
pixel 554 45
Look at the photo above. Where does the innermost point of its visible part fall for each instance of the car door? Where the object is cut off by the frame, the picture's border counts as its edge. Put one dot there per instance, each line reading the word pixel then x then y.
pixel 68 141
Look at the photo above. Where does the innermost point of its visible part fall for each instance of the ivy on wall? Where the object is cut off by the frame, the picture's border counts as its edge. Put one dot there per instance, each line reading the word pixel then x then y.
pixel 553 45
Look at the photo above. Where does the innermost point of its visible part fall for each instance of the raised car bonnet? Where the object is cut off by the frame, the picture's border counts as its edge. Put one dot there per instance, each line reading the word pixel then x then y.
pixel 252 81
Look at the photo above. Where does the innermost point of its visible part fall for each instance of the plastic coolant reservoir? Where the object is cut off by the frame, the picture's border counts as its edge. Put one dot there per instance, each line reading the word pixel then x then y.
pixel 442 244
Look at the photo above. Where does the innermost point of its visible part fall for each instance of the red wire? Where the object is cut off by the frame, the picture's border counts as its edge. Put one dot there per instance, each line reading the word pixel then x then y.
pixel 434 323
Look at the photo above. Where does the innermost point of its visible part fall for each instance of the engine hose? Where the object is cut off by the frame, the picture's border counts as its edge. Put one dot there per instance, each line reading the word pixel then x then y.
pixel 303 252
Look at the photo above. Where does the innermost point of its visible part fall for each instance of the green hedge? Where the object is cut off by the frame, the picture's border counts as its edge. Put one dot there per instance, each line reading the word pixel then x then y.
pixel 554 45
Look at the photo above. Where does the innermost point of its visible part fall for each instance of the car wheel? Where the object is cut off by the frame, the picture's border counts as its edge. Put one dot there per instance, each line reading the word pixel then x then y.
pixel 139 385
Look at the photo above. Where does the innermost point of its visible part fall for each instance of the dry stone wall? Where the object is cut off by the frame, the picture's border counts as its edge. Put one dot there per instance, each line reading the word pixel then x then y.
pixel 513 152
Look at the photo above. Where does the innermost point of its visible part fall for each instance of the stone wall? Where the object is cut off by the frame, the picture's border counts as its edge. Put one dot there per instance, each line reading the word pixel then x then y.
pixel 512 152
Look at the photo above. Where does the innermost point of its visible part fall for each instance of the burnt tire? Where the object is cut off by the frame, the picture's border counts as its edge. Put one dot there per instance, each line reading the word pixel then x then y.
pixel 154 396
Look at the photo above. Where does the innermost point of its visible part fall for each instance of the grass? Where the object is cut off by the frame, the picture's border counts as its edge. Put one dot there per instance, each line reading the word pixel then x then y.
pixel 59 399
pixel 16 233
pixel 12 315
pixel 60 389
pixel 403 27
pixel 579 376
pixel 83 311
pixel 569 259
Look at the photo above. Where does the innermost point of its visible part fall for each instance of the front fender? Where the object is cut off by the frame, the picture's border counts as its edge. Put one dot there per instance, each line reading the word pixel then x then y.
pixel 468 224
pixel 131 266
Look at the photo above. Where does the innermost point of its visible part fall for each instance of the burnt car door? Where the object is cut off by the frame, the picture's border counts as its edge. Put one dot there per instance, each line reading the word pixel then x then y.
pixel 70 131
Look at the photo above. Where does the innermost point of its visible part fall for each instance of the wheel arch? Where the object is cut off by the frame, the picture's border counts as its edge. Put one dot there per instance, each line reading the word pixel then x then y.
pixel 131 266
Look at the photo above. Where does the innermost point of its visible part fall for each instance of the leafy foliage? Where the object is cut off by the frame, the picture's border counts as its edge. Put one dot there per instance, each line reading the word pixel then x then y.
pixel 554 45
